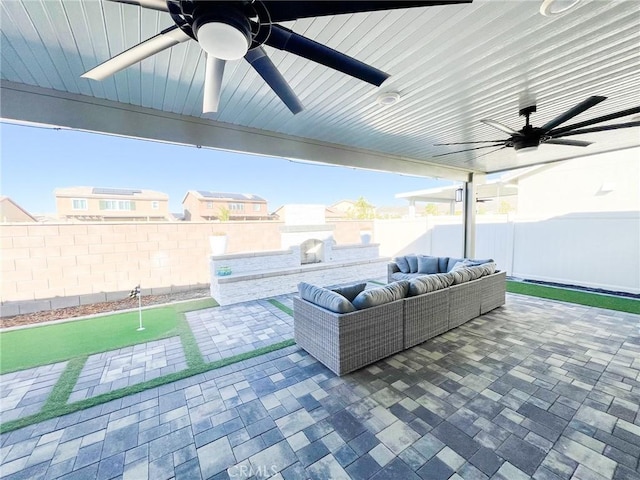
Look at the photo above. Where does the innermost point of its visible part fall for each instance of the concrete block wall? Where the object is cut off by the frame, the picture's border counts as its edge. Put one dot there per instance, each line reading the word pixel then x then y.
pixel 44 266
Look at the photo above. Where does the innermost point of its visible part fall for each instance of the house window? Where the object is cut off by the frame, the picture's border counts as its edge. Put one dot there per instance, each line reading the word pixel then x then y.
pixel 256 207
pixel 235 207
pixel 209 204
pixel 79 203
pixel 118 205
pixel 155 205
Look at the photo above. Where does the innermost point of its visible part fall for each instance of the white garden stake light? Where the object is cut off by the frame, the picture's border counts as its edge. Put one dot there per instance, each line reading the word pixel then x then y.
pixel 136 293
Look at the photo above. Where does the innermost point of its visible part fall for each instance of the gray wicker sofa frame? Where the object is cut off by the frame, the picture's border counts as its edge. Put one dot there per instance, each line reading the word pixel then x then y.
pixel 345 342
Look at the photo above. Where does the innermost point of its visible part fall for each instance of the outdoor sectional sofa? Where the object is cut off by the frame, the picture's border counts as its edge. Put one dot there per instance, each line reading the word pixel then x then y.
pixel 348 328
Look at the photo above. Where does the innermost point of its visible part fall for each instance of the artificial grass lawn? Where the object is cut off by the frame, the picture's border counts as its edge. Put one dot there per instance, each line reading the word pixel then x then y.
pixel 192 305
pixel 611 302
pixel 35 346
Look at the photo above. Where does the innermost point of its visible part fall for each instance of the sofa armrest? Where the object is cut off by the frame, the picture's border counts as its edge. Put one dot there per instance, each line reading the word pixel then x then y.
pixel 348 341
pixel 392 267
pixel 493 291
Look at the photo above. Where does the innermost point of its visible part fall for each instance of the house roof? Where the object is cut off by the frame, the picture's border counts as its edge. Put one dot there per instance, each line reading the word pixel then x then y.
pixel 7 202
pixel 452 65
pixel 110 192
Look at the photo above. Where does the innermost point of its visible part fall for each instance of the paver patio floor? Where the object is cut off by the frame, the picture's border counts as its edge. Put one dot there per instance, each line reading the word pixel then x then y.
pixel 127 366
pixel 535 389
pixel 24 392
pixel 223 332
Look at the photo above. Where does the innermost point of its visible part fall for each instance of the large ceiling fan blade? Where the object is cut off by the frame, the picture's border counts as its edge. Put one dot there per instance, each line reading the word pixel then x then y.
pixel 572 112
pixel 586 123
pixel 160 5
pixel 500 126
pixel 212 84
pixel 601 128
pixel 571 143
pixel 469 149
pixel 281 11
pixel 165 39
pixel 289 41
pixel 262 64
pixel 469 143
pixel 487 153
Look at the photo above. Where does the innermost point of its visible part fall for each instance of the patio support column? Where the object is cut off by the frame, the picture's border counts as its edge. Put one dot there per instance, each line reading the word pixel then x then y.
pixel 469 217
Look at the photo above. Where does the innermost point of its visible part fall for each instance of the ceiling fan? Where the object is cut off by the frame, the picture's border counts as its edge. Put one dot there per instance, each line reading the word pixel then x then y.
pixel 529 137
pixel 230 30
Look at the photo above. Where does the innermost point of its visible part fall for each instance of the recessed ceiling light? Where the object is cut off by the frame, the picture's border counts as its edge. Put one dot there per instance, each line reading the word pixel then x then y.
pixel 388 98
pixel 552 8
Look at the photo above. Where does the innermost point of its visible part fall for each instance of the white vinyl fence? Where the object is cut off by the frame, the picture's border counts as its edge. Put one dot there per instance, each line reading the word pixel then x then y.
pixel 598 250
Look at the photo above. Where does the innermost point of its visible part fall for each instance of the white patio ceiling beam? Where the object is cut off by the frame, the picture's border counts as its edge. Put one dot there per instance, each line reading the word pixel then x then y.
pixel 24 103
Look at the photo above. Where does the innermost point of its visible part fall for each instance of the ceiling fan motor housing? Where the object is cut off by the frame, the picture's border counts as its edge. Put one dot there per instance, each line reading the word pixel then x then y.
pixel 222 29
pixel 529 137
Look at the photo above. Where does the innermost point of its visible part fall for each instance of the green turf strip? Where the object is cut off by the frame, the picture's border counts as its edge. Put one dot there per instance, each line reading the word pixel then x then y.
pixel 611 302
pixel 281 306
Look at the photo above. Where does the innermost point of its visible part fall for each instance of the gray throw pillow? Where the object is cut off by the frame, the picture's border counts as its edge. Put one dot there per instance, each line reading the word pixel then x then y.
pixel 489 268
pixel 427 264
pixel 413 263
pixel 403 276
pixel 429 283
pixel 452 261
pixel 402 263
pixel 461 275
pixel 443 263
pixel 350 291
pixel 325 298
pixel 381 295
pixel 462 264
pixel 476 271
pixel 480 262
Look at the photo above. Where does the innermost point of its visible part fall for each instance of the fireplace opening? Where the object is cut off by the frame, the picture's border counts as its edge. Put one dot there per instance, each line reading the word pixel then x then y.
pixel 311 251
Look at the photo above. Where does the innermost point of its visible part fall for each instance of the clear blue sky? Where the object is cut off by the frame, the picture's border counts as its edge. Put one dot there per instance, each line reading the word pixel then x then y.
pixel 35 161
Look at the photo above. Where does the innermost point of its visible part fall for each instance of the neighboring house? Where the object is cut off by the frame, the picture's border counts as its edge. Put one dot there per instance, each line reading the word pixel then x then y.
pixel 11 212
pixel 350 209
pixel 200 205
pixel 333 214
pixel 343 207
pixel 111 204
pixel 392 212
pixel 329 214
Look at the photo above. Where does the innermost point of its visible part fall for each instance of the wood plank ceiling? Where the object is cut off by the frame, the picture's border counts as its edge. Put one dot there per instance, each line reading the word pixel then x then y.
pixel 452 65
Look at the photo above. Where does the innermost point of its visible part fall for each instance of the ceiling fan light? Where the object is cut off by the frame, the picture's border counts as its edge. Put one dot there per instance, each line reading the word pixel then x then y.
pixel 526 143
pixel 525 150
pixel 222 41
pixel 388 98
pixel 552 8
